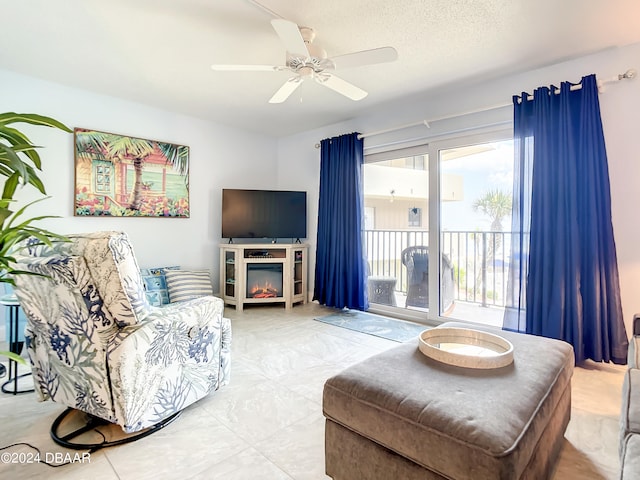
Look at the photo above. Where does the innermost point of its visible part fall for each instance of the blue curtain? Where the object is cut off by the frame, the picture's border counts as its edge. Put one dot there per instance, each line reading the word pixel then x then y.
pixel 563 281
pixel 340 277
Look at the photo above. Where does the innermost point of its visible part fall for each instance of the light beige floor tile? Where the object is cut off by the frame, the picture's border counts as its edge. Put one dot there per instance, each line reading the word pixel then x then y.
pixel 242 374
pixel 248 464
pixel 244 343
pixel 195 441
pixel 268 424
pixel 600 388
pixel 273 360
pixel 332 349
pixel 310 382
pixel 597 438
pixel 574 464
pixel 257 411
pixel 299 448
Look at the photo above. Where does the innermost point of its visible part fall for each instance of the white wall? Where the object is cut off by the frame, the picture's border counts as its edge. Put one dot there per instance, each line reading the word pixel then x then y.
pixel 220 157
pixel 299 163
pixel 226 157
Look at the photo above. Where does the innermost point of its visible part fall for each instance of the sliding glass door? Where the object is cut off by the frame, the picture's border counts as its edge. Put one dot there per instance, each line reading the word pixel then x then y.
pixel 450 201
pixel 475 223
pixel 397 229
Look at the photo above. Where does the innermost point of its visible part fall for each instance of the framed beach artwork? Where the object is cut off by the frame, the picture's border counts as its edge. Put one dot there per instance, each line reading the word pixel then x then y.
pixel 121 176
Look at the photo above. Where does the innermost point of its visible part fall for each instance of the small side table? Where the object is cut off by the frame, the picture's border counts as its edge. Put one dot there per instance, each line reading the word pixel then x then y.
pixel 14 308
pixel 382 290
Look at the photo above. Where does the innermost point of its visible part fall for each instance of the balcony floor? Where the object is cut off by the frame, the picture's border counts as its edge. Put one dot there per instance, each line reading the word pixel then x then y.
pixel 464 311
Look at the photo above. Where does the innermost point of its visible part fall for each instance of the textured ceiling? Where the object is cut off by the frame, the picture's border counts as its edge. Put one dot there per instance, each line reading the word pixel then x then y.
pixel 159 52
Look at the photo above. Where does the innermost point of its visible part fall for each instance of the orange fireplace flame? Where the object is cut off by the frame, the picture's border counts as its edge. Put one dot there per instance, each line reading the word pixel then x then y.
pixel 263 291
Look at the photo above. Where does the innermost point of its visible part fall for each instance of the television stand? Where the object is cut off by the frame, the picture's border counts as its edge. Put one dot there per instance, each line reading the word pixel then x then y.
pixel 263 273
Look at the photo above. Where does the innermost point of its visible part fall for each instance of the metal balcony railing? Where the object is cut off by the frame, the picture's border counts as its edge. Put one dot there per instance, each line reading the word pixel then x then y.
pixel 480 260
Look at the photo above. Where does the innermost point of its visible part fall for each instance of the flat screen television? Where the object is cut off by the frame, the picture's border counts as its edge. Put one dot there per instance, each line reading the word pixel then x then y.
pixel 264 214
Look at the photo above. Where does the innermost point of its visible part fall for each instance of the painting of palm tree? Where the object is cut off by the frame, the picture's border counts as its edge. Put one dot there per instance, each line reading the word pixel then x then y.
pixel 117 175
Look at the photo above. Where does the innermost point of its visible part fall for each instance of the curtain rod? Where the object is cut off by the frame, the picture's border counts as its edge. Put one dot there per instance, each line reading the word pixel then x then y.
pixel 427 123
pixel 631 73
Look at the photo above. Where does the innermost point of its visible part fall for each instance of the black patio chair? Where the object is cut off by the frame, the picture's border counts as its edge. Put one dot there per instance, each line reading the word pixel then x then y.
pixel 416 259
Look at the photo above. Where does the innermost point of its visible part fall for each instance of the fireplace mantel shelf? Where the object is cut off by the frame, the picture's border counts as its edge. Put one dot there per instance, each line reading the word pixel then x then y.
pixel 256 273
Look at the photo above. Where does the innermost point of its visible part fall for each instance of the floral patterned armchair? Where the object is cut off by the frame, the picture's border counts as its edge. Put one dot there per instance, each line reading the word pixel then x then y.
pixel 96 345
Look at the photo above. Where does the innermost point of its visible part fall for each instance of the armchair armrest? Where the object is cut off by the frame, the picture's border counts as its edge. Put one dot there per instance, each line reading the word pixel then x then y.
pixel 633 355
pixel 172 358
pixel 636 324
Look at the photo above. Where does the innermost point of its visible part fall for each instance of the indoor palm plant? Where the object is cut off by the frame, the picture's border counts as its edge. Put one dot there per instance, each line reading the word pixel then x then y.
pixel 19 163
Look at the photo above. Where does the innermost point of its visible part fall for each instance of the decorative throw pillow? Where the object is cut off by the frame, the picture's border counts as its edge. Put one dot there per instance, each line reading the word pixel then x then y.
pixel 155 284
pixel 188 284
pixel 154 297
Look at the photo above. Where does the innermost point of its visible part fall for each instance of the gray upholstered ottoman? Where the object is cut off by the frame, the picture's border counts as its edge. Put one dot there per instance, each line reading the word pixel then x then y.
pixel 401 415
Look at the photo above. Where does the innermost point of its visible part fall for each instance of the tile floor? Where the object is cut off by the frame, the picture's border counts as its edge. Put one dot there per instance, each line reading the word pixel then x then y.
pixel 268 423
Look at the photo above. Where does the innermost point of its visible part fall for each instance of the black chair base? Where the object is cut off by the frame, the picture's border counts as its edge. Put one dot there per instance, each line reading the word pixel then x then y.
pixel 13 380
pixel 94 423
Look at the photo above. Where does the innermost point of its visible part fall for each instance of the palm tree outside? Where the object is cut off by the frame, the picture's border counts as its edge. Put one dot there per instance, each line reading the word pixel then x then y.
pixel 495 204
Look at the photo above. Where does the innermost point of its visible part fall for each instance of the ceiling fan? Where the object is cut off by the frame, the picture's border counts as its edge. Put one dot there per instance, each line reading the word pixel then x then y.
pixel 307 60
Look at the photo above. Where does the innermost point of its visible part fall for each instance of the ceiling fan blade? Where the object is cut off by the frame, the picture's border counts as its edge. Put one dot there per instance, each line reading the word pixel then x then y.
pixel 341 86
pixel 285 90
pixel 366 57
pixel 290 35
pixel 247 68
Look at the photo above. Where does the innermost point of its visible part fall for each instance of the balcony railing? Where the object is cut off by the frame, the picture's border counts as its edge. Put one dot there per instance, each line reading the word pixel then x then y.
pixel 480 260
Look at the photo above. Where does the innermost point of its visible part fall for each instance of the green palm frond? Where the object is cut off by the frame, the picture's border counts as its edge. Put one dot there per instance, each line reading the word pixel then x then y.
pixel 121 146
pixel 108 146
pixel 177 156
pixel 15 145
pixel 91 144
pixel 32 118
pixel 495 204
pixel 15 231
pixel 13 356
pixel 19 160
pixel 10 159
pixel 14 137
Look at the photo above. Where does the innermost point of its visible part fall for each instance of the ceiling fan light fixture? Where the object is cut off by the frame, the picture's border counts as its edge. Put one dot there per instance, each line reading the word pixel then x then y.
pixel 306 72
